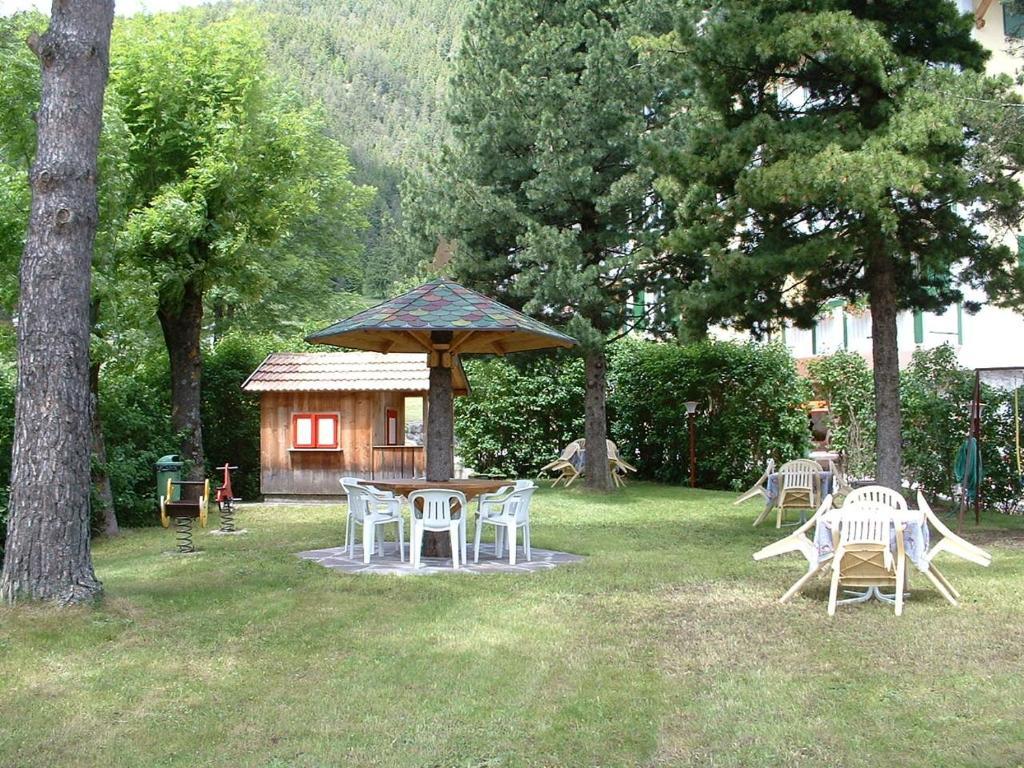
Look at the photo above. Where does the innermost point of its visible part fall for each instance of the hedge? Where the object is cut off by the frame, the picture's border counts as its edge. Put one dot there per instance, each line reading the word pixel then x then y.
pixel 935 398
pixel 750 408
pixel 846 382
pixel 935 395
pixel 521 415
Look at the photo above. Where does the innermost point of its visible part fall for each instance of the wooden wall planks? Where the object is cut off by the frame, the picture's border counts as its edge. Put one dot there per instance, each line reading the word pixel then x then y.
pixel 361 425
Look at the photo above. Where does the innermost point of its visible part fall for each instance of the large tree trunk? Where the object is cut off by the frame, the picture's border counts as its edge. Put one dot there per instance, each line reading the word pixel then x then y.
pixel 440 418
pixel 182 321
pixel 48 555
pixel 885 351
pixel 100 476
pixel 596 427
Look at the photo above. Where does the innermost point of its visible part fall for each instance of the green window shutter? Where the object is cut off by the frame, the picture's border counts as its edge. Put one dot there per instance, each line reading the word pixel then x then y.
pixel 846 333
pixel 1020 251
pixel 1013 22
pixel 639 306
pixel 919 327
pixel 814 339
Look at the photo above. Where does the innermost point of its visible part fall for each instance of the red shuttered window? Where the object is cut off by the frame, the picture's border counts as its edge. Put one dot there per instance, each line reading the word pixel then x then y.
pixel 315 431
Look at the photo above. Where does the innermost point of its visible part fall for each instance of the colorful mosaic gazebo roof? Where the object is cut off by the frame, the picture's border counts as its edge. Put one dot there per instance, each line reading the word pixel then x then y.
pixel 479 324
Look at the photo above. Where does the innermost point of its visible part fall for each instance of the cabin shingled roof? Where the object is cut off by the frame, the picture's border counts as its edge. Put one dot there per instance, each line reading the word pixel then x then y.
pixel 346 372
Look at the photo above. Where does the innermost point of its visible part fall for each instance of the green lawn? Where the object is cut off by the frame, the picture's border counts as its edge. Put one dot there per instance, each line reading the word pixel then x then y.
pixel 665 647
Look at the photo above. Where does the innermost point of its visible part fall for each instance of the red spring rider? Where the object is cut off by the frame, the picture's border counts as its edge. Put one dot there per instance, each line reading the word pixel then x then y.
pixel 226 501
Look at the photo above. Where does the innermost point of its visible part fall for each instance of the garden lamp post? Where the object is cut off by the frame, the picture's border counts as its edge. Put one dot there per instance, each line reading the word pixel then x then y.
pixel 691 410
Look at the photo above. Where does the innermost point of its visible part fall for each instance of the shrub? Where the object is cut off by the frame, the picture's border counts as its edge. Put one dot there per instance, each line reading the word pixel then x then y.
pixel 750 409
pixel 519 416
pixel 936 395
pixel 846 381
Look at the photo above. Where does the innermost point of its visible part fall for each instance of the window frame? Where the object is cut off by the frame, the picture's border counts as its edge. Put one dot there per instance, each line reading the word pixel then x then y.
pixel 315 417
pixel 1014 19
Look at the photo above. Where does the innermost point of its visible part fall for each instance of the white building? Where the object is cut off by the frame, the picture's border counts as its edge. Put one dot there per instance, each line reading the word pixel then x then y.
pixel 993 336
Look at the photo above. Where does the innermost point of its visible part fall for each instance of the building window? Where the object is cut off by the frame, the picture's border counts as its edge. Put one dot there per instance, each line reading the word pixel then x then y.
pixel 1013 20
pixel 315 431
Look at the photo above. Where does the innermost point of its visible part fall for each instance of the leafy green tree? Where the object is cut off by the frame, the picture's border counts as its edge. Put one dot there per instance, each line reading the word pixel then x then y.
pixel 544 191
pixel 19 93
pixel 834 154
pixel 226 166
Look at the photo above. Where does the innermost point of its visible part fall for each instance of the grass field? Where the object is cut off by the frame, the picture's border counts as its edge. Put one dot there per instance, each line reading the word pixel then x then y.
pixel 665 647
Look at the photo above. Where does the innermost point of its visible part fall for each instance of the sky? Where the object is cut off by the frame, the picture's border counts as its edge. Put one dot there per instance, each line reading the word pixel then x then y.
pixel 121 7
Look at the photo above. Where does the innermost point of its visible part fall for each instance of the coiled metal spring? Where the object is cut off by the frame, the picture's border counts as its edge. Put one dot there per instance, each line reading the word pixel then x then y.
pixel 183 534
pixel 227 516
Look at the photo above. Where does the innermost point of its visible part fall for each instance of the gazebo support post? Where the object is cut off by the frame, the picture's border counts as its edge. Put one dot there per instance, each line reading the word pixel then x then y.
pixel 440 431
pixel 440 418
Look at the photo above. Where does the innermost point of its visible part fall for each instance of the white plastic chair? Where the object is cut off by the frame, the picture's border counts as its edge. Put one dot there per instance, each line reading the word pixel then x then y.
pixel 563 464
pixel 432 510
pixel 863 558
pixel 876 494
pixel 512 514
pixel 797 479
pixel 798 541
pixel 759 488
pixel 951 543
pixel 371 508
pixel 490 503
pixel 617 465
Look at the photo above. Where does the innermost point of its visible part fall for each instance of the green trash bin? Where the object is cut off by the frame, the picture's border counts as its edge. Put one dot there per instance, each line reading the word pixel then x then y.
pixel 168 468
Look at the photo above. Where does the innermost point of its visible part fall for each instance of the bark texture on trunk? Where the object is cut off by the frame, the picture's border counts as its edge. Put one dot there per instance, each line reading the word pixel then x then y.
pixel 596 428
pixel 100 478
pixel 885 351
pixel 182 325
pixel 48 555
pixel 440 419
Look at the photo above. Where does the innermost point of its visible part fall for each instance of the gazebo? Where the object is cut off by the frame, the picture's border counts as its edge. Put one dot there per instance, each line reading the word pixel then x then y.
pixel 443 319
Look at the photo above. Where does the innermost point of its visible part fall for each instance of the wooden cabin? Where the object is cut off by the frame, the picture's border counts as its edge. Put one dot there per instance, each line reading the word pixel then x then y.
pixel 328 415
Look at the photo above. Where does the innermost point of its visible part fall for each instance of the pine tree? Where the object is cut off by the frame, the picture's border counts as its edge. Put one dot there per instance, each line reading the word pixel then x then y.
pixel 544 191
pixel 835 154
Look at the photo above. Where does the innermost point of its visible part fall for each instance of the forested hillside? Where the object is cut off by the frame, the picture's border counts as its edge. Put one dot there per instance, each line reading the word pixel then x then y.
pixel 381 68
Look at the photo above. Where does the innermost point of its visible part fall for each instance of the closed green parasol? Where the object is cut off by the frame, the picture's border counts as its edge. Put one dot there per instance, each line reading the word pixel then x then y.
pixel 968 472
